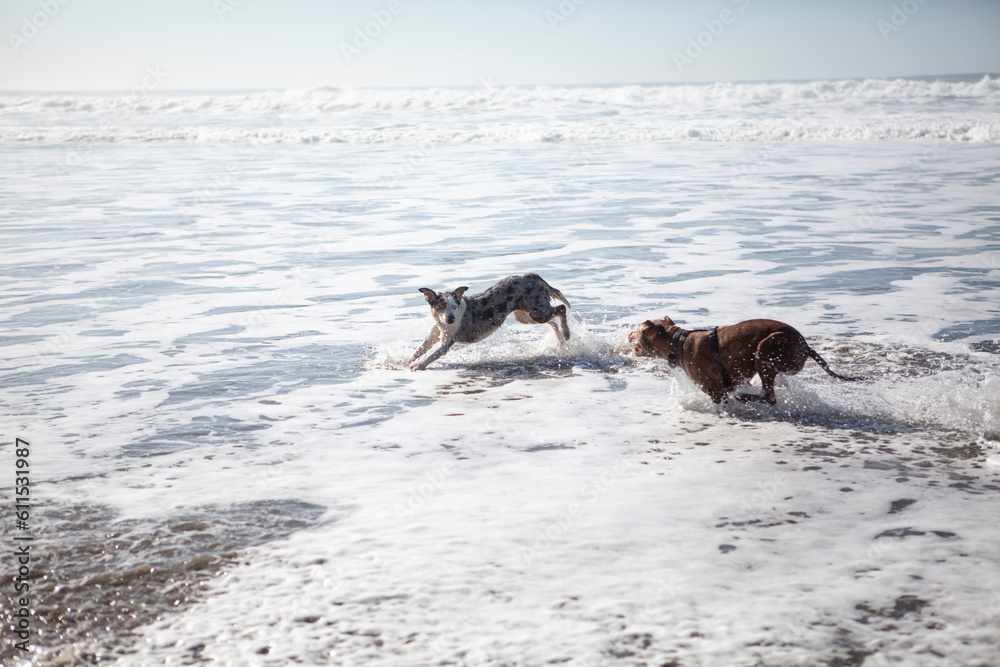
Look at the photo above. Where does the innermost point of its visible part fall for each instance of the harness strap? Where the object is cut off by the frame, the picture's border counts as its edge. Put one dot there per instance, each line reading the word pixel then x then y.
pixel 675 356
pixel 713 342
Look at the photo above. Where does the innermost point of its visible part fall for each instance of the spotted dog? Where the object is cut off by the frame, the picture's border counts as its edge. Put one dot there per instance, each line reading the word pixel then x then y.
pixel 720 359
pixel 470 319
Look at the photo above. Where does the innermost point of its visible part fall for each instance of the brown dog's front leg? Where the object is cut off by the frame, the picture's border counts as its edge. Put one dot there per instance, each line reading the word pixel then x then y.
pixel 717 394
pixel 755 398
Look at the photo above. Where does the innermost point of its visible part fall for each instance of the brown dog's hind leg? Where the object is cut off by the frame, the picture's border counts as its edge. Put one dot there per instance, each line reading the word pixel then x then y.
pixel 781 352
pixel 768 373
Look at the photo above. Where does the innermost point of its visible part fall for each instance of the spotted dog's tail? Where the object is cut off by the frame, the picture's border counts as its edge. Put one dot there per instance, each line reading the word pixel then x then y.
pixel 553 292
pixel 822 363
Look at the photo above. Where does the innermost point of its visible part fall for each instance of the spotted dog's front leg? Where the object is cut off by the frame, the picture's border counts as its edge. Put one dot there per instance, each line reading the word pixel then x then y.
pixel 432 337
pixel 435 355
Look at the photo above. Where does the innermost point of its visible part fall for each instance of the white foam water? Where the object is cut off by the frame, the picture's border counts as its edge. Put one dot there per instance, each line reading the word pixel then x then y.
pixel 207 346
pixel 962 109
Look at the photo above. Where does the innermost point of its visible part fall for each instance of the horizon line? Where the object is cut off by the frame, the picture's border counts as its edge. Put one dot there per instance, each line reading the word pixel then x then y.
pixel 956 77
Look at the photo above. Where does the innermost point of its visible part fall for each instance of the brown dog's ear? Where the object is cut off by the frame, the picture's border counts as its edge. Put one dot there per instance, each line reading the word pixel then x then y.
pixel 459 292
pixel 428 294
pixel 668 322
pixel 646 326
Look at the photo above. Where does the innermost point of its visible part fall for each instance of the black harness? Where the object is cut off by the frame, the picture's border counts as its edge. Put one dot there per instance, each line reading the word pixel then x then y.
pixel 713 342
pixel 675 354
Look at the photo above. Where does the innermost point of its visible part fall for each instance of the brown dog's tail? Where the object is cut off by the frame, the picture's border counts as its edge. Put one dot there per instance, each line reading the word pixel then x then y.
pixel 553 292
pixel 822 364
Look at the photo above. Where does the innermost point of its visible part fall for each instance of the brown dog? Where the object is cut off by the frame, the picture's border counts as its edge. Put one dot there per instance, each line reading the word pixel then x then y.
pixel 720 359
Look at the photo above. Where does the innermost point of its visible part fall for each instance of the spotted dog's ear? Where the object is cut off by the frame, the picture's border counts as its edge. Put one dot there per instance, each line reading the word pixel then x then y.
pixel 428 294
pixel 459 292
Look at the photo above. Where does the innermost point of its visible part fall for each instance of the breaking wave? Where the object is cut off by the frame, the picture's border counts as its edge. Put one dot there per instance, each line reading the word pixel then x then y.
pixel 845 110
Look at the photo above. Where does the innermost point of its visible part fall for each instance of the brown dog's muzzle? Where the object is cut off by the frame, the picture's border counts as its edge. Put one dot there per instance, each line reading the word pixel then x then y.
pixel 638 340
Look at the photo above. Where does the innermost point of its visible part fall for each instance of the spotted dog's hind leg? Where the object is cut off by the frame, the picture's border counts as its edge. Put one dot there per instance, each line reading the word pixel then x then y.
pixel 559 324
pixel 554 317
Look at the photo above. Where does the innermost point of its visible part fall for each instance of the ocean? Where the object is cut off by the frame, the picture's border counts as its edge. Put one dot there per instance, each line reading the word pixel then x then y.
pixel 210 300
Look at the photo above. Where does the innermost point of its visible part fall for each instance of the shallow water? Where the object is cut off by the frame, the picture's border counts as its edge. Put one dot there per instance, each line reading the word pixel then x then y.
pixel 207 347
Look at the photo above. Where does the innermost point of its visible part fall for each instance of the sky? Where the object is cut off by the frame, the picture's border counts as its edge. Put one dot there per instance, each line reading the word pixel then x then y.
pixel 79 45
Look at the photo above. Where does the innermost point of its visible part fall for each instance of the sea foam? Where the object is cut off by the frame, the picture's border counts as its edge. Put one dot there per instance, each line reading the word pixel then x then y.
pixel 838 110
